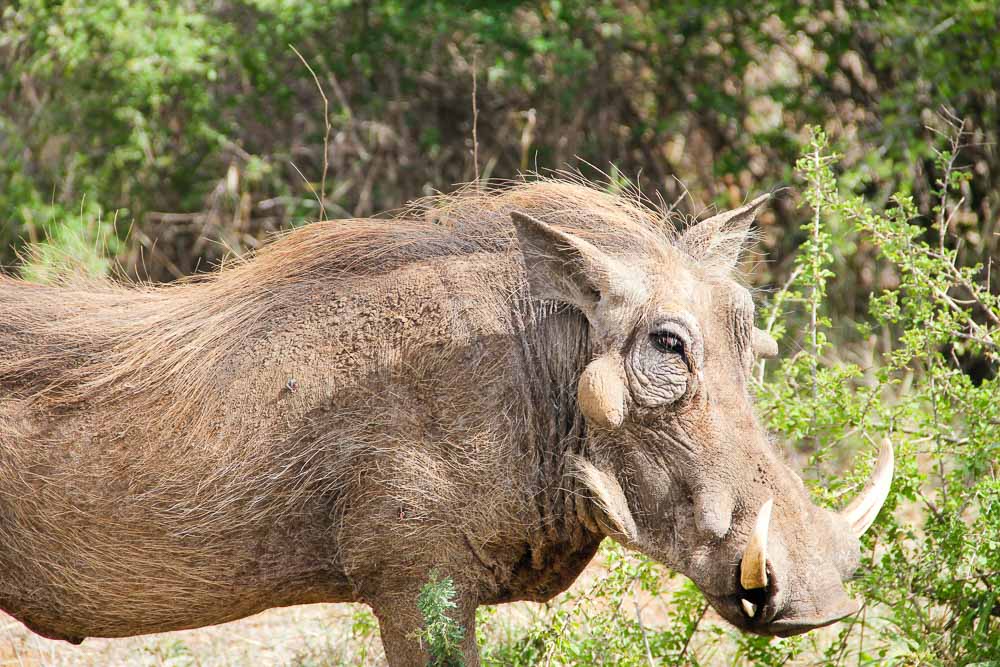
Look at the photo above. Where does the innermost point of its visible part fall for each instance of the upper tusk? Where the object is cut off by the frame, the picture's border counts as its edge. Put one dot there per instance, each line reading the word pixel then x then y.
pixel 861 513
pixel 753 567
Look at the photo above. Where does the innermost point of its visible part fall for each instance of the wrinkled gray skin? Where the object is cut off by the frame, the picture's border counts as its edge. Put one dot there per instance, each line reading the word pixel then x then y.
pixel 415 418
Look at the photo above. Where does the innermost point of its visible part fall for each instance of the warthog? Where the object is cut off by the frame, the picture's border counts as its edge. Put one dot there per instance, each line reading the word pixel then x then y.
pixel 485 386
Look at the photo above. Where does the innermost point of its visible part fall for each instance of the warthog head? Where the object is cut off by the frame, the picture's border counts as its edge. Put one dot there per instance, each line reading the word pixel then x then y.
pixel 677 464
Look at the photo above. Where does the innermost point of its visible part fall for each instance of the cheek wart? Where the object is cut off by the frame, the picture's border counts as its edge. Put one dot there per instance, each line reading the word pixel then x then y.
pixel 601 391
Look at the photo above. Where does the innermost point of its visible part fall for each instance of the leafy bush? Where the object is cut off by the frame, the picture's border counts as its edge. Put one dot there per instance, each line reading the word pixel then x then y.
pixel 930 584
pixel 442 635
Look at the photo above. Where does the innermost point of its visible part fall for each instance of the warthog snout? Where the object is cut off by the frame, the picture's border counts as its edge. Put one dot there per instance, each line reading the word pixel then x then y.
pixel 761 604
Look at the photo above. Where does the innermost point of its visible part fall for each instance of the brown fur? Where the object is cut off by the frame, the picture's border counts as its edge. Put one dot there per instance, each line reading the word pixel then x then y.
pixel 361 403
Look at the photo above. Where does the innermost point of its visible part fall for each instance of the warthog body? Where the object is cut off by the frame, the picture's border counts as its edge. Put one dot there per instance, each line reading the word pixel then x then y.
pixel 459 390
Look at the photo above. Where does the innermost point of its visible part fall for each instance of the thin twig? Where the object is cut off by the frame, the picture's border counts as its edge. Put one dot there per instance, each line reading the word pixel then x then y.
pixel 309 185
pixel 864 612
pixel 931 370
pixel 694 629
pixel 550 653
pixel 642 628
pixel 326 136
pixel 776 304
pixel 944 219
pixel 684 193
pixel 475 119
pixel 814 307
pixel 338 90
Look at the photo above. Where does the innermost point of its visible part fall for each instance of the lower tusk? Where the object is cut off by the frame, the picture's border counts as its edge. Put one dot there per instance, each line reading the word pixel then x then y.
pixel 749 607
pixel 861 513
pixel 753 567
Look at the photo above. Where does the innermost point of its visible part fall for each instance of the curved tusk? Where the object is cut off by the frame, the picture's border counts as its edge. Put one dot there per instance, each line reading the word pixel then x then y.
pixel 861 513
pixel 753 567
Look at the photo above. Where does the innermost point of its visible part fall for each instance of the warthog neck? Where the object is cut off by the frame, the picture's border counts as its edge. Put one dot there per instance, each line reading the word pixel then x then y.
pixel 554 351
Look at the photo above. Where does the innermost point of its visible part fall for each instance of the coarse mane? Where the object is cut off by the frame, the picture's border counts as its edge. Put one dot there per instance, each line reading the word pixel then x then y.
pixel 100 341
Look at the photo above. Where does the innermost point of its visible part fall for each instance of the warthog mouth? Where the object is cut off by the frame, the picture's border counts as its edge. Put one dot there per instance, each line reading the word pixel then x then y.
pixel 759 612
pixel 797 626
pixel 757 606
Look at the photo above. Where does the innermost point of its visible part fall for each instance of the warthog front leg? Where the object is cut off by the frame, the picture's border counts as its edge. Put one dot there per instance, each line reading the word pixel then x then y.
pixel 401 626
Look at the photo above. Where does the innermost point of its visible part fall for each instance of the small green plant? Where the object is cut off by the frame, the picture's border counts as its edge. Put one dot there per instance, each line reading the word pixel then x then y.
pixel 174 653
pixel 442 636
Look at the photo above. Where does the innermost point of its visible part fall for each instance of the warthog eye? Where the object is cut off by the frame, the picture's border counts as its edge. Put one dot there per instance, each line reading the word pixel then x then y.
pixel 667 343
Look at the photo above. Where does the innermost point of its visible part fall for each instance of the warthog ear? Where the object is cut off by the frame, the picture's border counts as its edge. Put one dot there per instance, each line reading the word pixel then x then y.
pixel 718 241
pixel 564 267
pixel 609 496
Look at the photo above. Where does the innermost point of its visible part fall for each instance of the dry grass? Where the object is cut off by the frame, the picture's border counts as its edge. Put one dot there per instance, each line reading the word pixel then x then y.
pixel 306 636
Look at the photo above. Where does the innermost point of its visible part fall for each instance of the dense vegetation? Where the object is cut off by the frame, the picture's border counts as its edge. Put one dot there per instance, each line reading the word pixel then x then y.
pixel 153 139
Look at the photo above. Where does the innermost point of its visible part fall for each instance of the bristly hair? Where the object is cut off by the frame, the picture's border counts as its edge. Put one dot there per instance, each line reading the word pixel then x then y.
pixel 100 341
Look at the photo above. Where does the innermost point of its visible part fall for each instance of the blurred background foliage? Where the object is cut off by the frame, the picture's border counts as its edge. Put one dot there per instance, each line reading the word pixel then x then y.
pixel 150 140
pixel 188 129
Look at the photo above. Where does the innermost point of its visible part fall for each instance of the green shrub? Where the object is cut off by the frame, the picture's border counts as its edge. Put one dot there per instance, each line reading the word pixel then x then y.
pixel 442 635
